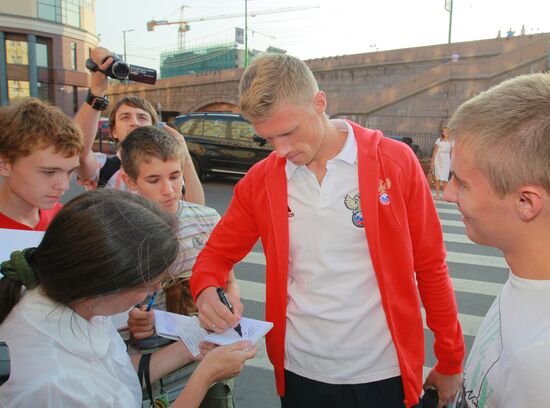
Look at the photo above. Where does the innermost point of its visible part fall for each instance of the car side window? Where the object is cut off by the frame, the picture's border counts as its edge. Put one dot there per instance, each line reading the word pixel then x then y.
pixel 215 127
pixel 192 127
pixel 241 130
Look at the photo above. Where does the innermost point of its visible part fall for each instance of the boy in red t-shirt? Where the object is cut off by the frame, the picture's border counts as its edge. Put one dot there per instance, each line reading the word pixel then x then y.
pixel 39 148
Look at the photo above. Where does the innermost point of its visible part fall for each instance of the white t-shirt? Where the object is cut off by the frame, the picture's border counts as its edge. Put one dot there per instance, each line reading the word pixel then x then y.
pixel 336 329
pixel 509 364
pixel 60 360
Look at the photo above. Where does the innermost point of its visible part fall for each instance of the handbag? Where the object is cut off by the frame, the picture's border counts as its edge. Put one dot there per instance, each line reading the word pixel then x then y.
pixel 179 298
pixel 431 176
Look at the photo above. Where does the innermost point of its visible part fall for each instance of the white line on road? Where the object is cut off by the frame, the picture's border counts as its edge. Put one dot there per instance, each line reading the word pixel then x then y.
pixel 256 292
pixel 447 211
pixel 457 238
pixel 262 361
pixel 451 223
pixel 258 258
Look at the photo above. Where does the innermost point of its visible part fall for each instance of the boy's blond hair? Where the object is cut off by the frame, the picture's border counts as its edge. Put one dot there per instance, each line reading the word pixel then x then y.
pixel 272 80
pixel 28 125
pixel 144 143
pixel 508 129
pixel 134 102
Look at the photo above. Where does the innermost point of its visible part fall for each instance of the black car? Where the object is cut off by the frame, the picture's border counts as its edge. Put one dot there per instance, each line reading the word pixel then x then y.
pixel 221 143
pixel 408 141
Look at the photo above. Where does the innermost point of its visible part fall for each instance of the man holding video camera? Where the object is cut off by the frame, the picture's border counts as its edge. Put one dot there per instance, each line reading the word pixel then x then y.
pixel 99 170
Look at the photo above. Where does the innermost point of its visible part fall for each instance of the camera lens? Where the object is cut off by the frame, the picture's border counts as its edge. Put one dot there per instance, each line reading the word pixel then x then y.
pixel 120 70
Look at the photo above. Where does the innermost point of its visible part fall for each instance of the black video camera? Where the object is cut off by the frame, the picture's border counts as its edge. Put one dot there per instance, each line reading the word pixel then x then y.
pixel 122 71
pixel 4 362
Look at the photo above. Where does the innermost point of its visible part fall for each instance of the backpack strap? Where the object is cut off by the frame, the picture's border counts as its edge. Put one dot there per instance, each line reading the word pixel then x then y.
pixel 143 374
pixel 112 165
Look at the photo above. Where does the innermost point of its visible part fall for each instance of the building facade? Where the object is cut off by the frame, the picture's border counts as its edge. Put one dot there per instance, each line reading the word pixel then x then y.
pixel 44 45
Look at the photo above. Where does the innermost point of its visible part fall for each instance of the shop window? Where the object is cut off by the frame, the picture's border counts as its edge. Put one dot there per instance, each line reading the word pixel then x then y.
pixel 60 11
pixel 18 89
pixel 43 91
pixel 73 55
pixel 75 99
pixel 17 52
pixel 42 55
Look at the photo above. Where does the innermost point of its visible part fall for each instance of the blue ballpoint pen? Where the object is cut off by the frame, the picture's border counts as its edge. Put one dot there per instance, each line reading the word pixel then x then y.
pixel 151 301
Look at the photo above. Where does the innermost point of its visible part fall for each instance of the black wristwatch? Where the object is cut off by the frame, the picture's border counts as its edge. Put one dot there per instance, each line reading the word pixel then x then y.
pixel 99 103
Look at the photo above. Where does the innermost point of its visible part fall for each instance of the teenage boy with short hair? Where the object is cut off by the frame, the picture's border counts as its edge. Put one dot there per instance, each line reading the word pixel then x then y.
pixel 152 164
pixel 99 170
pixel 39 148
pixel 501 184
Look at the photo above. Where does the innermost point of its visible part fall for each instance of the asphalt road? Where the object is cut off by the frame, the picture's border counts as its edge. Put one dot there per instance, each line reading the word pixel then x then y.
pixel 477 273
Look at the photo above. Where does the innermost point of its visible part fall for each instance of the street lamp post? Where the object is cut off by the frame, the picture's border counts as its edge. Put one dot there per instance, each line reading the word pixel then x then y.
pixel 245 33
pixel 449 8
pixel 124 39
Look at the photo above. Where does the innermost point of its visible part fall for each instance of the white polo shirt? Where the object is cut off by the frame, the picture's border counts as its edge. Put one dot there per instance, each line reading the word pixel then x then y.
pixel 336 329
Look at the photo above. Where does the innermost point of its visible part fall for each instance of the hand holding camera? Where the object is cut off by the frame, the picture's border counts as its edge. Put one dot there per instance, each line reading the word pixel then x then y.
pixel 113 66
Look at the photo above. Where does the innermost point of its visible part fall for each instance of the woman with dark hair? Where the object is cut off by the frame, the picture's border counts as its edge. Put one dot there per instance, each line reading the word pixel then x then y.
pixel 101 255
pixel 441 161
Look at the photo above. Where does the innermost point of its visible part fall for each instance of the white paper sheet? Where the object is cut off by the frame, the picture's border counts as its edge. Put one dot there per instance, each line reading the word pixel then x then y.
pixel 175 326
pixel 252 330
pixel 12 240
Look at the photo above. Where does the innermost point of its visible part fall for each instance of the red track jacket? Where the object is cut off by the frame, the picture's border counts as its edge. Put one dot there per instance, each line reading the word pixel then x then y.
pixel 404 237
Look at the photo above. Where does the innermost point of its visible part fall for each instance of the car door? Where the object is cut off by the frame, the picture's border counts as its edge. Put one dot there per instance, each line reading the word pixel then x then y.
pixel 248 148
pixel 206 140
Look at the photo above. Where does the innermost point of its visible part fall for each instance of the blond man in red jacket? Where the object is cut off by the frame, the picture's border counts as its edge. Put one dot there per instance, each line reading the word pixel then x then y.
pixel 351 235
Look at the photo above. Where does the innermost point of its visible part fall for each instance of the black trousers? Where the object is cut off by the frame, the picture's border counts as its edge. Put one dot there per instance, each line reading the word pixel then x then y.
pixel 301 392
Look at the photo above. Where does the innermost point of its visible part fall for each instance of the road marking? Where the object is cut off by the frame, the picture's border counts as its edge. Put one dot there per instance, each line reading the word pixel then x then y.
pixel 457 238
pixel 469 323
pixel 261 360
pixel 476 287
pixel 448 211
pixel 478 260
pixel 451 223
pixel 258 258
pixel 255 291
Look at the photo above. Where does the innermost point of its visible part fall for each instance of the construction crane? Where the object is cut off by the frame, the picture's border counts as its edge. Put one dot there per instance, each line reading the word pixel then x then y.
pixel 184 24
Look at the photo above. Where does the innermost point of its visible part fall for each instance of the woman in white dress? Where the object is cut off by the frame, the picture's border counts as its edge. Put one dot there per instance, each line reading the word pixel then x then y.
pixel 441 161
pixel 101 255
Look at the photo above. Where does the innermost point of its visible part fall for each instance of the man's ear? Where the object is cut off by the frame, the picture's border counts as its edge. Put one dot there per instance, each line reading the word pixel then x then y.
pixel 5 166
pixel 320 102
pixel 530 202
pixel 114 135
pixel 130 182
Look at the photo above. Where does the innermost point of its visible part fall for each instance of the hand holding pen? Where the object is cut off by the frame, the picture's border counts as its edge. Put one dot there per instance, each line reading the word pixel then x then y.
pixel 225 301
pixel 141 322
pixel 213 314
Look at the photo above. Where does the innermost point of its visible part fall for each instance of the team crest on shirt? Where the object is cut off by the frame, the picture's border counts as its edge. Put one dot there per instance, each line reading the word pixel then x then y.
pixel 199 240
pixel 354 204
pixel 383 191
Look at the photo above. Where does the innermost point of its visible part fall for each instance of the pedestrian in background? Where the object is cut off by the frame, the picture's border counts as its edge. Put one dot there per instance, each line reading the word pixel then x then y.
pixel 441 161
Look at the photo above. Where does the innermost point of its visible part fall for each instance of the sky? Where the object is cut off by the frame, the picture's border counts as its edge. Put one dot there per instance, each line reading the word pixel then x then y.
pixel 324 28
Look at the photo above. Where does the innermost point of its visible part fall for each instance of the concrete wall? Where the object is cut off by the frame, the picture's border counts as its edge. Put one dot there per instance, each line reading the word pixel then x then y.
pixel 408 92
